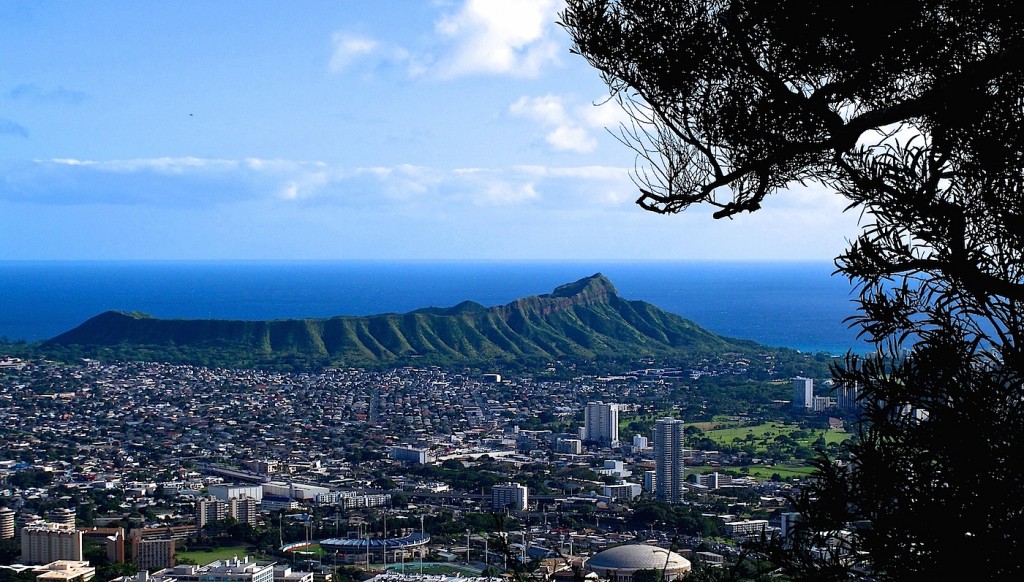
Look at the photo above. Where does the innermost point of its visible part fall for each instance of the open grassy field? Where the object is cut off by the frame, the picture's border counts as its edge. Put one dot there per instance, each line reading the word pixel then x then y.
pixel 203 557
pixel 762 434
pixel 765 472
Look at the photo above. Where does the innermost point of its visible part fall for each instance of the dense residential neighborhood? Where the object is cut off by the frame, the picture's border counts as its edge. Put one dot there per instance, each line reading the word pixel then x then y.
pixel 147 462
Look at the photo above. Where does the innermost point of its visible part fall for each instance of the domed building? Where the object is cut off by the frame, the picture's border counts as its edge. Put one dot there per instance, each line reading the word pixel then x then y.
pixel 619 563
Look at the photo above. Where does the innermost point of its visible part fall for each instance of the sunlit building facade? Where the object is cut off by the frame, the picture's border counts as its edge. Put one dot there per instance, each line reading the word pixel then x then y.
pixel 668 460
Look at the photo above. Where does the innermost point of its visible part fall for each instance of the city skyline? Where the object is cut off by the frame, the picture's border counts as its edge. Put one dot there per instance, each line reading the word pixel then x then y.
pixel 322 130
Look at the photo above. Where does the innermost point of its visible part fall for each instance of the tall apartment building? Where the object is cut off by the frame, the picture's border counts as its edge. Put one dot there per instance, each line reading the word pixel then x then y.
pixel 244 509
pixel 803 393
pixel 714 480
pixel 152 554
pixel 6 523
pixel 43 542
pixel 601 423
pixel 787 524
pixel 23 519
pixel 209 510
pixel 568 446
pixel 846 396
pixel 650 481
pixel 668 460
pixel 511 495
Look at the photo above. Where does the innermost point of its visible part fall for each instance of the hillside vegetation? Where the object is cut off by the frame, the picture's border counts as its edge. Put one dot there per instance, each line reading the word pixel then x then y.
pixel 586 319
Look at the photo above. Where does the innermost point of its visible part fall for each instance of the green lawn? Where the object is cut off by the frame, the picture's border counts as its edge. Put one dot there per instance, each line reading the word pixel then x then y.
pixel 765 472
pixel 758 437
pixel 203 557
pixel 760 433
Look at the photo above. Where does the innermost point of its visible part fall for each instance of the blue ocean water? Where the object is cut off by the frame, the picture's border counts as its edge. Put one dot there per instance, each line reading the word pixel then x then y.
pixel 793 304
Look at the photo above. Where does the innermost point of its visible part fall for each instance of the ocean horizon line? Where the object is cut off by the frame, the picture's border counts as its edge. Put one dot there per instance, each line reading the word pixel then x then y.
pixel 795 304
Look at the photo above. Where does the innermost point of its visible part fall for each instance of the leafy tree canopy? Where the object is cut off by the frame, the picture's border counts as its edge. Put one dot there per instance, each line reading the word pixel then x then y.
pixel 911 110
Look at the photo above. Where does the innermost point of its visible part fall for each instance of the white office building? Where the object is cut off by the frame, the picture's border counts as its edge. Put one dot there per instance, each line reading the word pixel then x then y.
pixel 601 423
pixel 621 491
pixel 509 495
pixel 413 455
pixel 228 491
pixel 639 442
pixel 233 570
pixel 292 490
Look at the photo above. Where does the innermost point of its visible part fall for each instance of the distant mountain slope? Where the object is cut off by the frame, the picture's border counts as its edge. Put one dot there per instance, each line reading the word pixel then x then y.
pixel 585 319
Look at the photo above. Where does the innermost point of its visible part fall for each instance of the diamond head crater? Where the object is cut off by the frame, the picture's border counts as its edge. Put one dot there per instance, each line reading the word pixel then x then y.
pixel 583 320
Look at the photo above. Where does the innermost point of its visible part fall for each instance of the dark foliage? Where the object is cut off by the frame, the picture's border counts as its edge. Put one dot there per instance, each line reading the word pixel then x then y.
pixel 681 519
pixel 913 111
pixel 31 477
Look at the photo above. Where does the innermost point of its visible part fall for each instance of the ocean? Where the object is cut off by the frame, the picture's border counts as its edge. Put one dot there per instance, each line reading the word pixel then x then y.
pixel 793 304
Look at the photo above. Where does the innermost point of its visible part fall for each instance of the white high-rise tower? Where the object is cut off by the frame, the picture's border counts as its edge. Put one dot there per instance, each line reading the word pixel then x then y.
pixel 601 423
pixel 668 460
pixel 803 393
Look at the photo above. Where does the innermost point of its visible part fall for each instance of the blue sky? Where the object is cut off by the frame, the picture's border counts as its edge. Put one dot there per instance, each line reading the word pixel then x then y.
pixel 317 130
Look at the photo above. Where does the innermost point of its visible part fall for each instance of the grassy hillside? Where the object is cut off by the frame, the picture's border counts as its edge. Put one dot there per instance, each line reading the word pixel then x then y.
pixel 584 319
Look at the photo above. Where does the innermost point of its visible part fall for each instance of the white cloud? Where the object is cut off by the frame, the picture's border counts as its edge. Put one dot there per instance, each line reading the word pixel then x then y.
pixel 165 181
pixel 352 49
pixel 492 37
pixel 201 182
pixel 547 109
pixel 165 165
pixel 348 49
pixel 504 193
pixel 404 182
pixel 565 132
pixel 570 138
pixel 514 37
pixel 278 165
pixel 583 210
pixel 604 112
pixel 610 173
